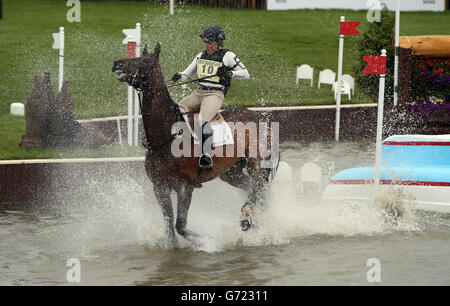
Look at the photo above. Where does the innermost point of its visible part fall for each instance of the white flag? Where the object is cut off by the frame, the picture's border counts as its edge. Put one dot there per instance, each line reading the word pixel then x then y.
pixel 131 35
pixel 56 40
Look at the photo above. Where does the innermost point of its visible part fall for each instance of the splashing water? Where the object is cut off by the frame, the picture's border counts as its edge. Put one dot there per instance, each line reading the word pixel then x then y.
pixel 124 211
pixel 115 227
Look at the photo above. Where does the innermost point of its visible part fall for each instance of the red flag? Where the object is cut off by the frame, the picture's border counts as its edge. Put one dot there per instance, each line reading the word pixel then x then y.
pixel 377 65
pixel 349 27
pixel 131 49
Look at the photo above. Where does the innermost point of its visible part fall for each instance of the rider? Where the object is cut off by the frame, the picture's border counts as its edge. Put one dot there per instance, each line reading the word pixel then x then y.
pixel 221 65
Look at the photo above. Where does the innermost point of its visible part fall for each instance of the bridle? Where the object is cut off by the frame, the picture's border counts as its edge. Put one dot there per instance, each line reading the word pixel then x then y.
pixel 138 85
pixel 134 78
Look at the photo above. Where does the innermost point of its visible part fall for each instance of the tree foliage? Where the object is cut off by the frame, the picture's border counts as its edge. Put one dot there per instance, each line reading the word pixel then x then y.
pixel 378 36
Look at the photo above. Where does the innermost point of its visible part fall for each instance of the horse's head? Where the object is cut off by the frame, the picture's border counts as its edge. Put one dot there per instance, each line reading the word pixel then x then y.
pixel 137 71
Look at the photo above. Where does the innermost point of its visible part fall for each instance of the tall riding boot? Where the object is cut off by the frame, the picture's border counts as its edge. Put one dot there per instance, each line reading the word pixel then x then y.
pixel 205 161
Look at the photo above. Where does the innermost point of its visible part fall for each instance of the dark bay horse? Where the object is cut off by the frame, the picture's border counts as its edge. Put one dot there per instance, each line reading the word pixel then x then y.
pixel 251 172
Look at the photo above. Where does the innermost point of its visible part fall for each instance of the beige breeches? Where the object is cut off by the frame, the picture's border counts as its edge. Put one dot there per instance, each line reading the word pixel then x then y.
pixel 208 101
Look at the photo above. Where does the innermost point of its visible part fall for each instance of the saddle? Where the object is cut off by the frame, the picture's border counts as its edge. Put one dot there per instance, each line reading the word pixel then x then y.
pixel 191 114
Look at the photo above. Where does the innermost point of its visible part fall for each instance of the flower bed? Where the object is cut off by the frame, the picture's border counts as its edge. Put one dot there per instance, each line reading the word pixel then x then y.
pixel 431 87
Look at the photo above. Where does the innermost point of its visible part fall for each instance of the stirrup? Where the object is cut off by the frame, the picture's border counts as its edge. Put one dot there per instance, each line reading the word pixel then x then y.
pixel 205 161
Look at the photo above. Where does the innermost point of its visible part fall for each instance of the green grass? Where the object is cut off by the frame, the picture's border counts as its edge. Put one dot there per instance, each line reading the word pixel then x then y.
pixel 270 43
pixel 13 127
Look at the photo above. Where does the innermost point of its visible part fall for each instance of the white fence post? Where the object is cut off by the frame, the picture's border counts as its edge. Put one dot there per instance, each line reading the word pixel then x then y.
pixel 119 132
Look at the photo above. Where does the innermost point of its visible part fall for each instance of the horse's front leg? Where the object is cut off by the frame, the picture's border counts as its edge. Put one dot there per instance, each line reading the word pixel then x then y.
pixel 162 194
pixel 184 197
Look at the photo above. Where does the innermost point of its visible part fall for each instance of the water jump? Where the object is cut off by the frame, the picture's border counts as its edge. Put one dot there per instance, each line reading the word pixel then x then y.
pixel 248 171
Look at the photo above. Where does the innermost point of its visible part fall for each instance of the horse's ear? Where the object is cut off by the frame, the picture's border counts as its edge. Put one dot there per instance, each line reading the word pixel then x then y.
pixel 157 50
pixel 145 52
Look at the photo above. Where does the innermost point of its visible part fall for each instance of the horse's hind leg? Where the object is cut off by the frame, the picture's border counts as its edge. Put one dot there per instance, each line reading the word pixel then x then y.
pixel 184 198
pixel 162 194
pixel 260 185
pixel 261 179
pixel 236 177
pixel 256 183
pixel 262 172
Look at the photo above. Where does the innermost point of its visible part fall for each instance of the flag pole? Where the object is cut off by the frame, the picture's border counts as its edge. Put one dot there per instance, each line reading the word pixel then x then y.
pixel 61 58
pixel 136 98
pixel 397 45
pixel 379 125
pixel 130 106
pixel 338 86
pixel 132 36
pixel 130 116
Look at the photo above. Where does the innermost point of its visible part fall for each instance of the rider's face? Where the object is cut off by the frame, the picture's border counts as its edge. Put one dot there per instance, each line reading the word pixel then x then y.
pixel 211 47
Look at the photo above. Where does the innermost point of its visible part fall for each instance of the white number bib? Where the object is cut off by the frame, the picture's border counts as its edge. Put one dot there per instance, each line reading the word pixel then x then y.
pixel 206 68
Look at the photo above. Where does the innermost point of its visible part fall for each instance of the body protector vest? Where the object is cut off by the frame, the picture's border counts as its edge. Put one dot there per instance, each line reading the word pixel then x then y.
pixel 208 64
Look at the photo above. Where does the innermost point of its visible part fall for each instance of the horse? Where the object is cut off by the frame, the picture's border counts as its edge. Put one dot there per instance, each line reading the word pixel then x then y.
pixel 181 174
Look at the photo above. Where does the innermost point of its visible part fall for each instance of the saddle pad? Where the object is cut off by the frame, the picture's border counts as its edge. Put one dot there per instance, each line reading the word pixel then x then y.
pixel 221 131
pixel 222 134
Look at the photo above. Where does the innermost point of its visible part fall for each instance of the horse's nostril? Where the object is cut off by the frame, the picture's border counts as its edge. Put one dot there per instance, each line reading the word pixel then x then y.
pixel 117 66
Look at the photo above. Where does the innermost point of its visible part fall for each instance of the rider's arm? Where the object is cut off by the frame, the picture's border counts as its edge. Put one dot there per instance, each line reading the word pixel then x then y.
pixel 191 69
pixel 240 72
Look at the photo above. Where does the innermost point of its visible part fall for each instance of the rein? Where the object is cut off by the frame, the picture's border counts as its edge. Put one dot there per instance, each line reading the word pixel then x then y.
pixel 153 149
pixel 190 81
pixel 170 104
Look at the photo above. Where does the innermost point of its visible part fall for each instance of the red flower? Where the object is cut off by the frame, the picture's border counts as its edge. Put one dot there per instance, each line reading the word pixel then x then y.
pixel 430 63
pixel 438 71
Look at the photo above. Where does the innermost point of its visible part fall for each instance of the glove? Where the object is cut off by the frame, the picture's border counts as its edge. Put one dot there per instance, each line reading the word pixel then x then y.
pixel 176 77
pixel 225 73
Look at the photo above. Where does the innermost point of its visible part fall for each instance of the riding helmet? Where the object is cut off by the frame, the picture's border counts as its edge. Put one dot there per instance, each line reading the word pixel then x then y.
pixel 213 33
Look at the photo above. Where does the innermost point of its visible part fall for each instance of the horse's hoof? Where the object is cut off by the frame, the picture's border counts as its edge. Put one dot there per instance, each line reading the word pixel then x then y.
pixel 245 225
pixel 246 213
